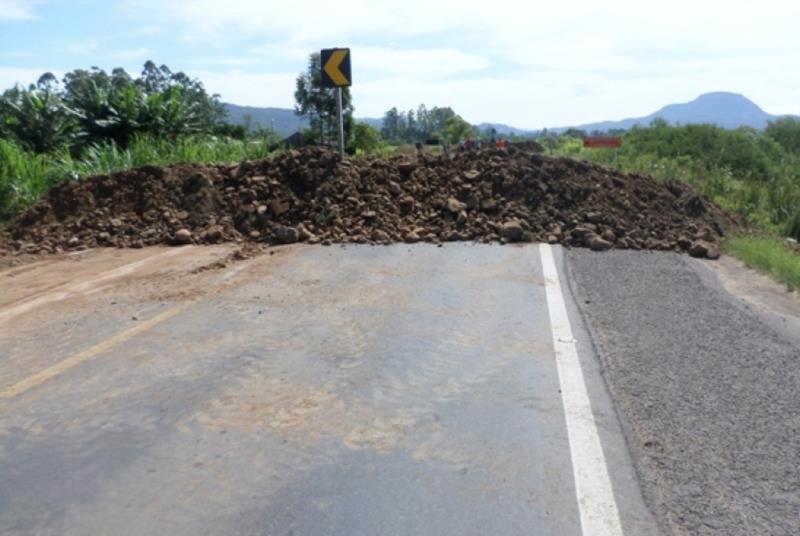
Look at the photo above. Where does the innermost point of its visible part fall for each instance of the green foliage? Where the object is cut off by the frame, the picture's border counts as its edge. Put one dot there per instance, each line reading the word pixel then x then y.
pixel 366 139
pixel 743 151
pixel 37 118
pixel 411 127
pixel 768 254
pixel 786 132
pixel 24 177
pixel 319 104
pixel 456 129
pixel 94 107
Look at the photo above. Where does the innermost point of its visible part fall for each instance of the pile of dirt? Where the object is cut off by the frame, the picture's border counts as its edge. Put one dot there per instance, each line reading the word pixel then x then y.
pixel 316 196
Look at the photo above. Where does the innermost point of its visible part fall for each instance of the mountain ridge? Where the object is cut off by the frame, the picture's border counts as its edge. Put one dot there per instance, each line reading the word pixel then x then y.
pixel 722 108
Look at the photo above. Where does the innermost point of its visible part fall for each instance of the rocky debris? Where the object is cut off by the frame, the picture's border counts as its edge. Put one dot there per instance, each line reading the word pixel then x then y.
pixel 286 235
pixel 512 231
pixel 703 248
pixel 182 236
pixel 455 206
pixel 315 196
pixel 597 243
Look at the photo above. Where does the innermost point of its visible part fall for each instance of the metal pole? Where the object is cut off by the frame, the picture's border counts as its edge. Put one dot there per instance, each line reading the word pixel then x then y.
pixel 340 119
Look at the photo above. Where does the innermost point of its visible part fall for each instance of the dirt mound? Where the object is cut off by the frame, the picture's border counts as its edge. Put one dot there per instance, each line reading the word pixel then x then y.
pixel 316 196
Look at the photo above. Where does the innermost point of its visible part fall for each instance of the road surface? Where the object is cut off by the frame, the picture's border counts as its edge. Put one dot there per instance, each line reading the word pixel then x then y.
pixel 378 390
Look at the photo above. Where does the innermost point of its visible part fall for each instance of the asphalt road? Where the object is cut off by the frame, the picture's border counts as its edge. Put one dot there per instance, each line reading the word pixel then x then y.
pixel 467 389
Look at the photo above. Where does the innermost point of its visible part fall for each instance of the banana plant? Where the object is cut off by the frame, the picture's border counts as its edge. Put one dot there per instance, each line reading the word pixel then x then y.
pixel 37 118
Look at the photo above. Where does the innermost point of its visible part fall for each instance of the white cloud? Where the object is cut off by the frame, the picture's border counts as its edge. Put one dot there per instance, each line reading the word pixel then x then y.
pixel 247 88
pixel 17 10
pixel 522 62
pixel 439 62
pixel 11 76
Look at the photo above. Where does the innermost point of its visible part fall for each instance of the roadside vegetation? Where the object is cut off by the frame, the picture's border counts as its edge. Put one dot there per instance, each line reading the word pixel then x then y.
pixel 768 254
pixel 93 122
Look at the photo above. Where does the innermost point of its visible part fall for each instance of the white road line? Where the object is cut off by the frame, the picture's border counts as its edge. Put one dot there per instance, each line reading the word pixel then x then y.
pixel 66 290
pixel 598 509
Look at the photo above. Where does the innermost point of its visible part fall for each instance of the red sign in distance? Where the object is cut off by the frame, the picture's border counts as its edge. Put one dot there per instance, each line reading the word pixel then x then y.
pixel 596 142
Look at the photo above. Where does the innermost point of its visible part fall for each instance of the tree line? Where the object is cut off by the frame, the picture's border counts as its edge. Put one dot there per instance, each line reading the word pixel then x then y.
pixel 92 106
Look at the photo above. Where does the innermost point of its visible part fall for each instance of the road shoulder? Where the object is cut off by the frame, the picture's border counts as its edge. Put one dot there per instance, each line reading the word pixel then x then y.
pixel 705 388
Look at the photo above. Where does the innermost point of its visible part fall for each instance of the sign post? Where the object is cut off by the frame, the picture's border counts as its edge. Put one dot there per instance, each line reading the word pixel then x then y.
pixel 340 117
pixel 335 63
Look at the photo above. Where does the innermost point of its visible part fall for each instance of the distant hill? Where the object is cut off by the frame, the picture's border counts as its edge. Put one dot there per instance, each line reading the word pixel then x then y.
pixel 726 110
pixel 371 121
pixel 282 120
pixel 504 130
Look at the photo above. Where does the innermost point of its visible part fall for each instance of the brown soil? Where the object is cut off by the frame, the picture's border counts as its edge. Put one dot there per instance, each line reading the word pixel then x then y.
pixel 315 196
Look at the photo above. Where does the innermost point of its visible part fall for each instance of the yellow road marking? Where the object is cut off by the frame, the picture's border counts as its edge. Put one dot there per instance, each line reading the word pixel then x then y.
pixel 90 353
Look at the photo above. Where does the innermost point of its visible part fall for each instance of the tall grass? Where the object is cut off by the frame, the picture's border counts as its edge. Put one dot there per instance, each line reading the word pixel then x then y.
pixel 26 176
pixel 767 254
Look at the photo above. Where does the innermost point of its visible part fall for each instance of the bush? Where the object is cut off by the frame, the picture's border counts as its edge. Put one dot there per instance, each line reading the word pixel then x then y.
pixel 366 139
pixel 786 132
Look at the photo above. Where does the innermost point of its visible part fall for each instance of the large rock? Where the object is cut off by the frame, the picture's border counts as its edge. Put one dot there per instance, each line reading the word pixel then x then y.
pixel 701 248
pixel 597 243
pixel 303 234
pixel 455 206
pixel 183 236
pixel 512 231
pixel 286 235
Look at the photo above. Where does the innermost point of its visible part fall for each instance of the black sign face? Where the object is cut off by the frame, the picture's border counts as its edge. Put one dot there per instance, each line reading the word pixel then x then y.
pixel 335 67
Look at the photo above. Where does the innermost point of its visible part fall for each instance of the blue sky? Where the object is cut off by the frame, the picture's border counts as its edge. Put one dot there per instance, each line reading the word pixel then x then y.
pixel 529 64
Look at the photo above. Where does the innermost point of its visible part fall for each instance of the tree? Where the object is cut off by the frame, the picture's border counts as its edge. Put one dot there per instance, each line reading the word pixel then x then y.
pixel 456 129
pixel 366 138
pixel 37 117
pixel 93 106
pixel 319 104
pixel 786 131
pixel 390 129
pixel 411 126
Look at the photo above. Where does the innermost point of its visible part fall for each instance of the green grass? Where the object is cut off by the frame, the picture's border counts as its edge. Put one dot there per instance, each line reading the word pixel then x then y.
pixel 768 254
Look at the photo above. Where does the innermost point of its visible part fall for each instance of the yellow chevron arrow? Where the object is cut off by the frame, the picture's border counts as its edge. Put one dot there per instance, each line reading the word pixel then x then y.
pixel 331 68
